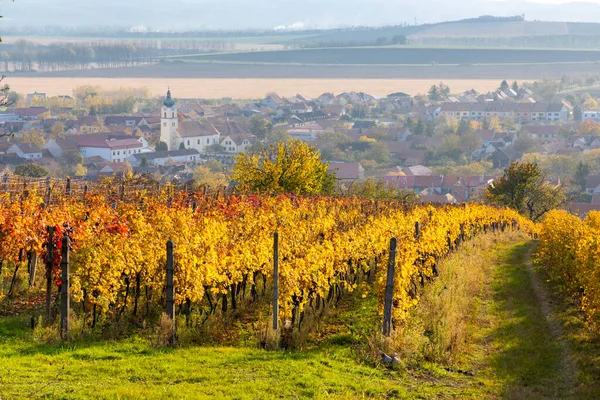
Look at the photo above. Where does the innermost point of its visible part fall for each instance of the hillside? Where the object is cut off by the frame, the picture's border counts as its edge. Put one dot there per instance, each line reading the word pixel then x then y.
pixel 496 27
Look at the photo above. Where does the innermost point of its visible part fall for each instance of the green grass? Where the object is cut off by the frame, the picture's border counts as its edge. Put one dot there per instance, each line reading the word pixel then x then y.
pixel 526 356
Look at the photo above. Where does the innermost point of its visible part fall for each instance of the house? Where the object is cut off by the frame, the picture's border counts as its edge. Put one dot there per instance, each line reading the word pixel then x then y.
pixel 592 184
pixel 236 143
pixel 110 169
pixel 30 113
pixel 160 158
pixel 423 182
pixel 112 148
pixel 590 115
pixel 558 112
pixel 428 198
pixel 129 121
pixel 476 184
pixel 306 133
pixel 523 112
pixel 57 147
pixel 417 170
pixel 582 209
pixel 273 101
pixel 89 124
pixel 449 110
pixel 477 111
pixel 34 95
pixel 6 116
pixel 26 151
pixel 300 108
pixel 503 157
pixel 347 172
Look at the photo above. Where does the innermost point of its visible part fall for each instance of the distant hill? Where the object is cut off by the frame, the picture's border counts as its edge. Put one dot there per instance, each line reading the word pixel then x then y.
pixel 482 27
pixel 520 33
pixel 505 29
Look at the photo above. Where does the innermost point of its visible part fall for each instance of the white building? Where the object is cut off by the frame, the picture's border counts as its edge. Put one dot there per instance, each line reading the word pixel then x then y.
pixel 27 151
pixel 164 157
pixel 236 144
pixel 110 149
pixel 590 115
pixel 185 134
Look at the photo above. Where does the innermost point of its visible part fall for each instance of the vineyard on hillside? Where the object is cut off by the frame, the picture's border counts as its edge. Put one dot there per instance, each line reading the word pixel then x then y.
pixel 569 251
pixel 223 247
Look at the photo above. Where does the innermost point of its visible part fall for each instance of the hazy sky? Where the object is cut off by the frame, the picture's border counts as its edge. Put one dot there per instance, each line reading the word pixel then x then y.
pixel 268 14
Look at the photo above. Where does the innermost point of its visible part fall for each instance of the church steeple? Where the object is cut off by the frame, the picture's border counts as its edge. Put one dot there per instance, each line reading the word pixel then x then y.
pixel 169 102
pixel 169 122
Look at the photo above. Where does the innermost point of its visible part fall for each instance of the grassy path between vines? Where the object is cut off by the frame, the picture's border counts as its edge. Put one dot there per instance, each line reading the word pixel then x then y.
pixel 514 349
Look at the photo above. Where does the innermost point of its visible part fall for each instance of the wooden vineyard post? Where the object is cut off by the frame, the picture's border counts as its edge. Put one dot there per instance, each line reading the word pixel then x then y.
pixel 68 188
pixel 170 267
pixel 49 263
pixel 276 281
pixel 417 231
pixel 65 295
pixel 32 267
pixel 389 290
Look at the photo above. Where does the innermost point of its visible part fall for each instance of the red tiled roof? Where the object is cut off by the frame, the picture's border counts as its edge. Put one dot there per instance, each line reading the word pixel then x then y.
pixel 345 170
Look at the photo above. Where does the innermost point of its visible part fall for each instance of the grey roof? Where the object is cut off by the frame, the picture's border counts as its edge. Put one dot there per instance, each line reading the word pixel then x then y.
pixel 166 154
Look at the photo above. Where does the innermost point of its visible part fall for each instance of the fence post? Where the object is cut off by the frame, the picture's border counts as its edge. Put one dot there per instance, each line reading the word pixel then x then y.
pixel 68 187
pixel 170 267
pixel 32 267
pixel 389 289
pixel 65 296
pixel 276 281
pixel 49 263
pixel 417 231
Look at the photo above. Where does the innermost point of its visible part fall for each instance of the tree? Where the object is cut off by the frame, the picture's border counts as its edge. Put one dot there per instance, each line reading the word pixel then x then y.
pixel 72 157
pixel 524 188
pixel 577 113
pixel 419 127
pixel 524 144
pixel 590 105
pixel 34 136
pixel 214 165
pixel 277 135
pixel 31 170
pixel 493 124
pixel 589 127
pixel 260 126
pixel 181 146
pixel 463 126
pixel 204 176
pixel 451 147
pixel 504 86
pixel 515 86
pixel 57 130
pixel 162 146
pixel 434 93
pixel 581 174
pixel 80 170
pixel 292 167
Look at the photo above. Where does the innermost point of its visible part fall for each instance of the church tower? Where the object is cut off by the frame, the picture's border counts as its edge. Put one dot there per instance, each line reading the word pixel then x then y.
pixel 169 122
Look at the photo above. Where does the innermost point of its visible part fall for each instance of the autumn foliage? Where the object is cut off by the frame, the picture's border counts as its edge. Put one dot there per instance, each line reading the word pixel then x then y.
pixel 569 251
pixel 223 246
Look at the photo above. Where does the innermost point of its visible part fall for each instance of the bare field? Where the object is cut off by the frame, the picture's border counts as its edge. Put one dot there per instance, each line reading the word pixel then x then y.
pixel 245 88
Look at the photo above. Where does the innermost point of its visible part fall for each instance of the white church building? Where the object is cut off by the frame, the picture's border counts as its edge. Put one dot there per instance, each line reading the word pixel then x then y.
pixel 193 134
